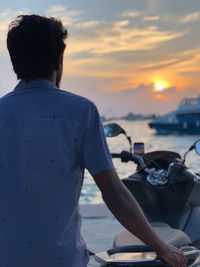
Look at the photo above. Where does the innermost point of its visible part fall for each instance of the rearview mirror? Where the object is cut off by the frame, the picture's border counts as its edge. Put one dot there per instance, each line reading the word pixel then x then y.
pixel 197 147
pixel 113 129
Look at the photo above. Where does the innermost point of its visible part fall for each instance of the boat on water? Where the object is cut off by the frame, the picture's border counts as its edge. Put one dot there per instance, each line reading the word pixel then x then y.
pixel 186 119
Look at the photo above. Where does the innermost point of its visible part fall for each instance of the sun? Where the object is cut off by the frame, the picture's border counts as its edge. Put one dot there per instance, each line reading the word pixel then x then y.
pixel 160 86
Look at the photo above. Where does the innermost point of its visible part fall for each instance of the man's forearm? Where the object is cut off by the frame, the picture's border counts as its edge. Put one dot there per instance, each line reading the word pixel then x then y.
pixel 126 209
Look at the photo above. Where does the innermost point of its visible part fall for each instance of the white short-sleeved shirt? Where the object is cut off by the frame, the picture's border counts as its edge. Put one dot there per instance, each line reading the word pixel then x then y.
pixel 47 138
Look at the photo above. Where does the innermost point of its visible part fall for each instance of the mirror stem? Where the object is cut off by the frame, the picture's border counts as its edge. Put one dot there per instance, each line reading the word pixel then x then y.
pixel 130 142
pixel 184 157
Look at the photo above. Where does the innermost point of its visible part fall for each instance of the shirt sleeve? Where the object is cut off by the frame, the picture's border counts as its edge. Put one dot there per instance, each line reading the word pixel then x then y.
pixel 95 152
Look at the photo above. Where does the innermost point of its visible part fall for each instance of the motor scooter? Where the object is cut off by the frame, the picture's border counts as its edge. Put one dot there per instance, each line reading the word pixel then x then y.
pixel 169 195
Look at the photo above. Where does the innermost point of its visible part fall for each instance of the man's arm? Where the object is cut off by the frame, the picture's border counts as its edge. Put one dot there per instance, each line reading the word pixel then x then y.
pixel 126 209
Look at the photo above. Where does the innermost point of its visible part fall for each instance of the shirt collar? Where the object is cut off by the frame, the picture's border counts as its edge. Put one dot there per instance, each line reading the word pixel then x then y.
pixel 34 84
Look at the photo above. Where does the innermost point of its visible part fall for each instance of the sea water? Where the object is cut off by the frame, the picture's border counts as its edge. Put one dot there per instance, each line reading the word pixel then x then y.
pixel 99 233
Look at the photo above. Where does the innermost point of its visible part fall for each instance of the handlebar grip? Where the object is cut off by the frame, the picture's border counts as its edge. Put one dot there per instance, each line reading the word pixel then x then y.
pixel 116 155
pixel 124 156
pixel 190 175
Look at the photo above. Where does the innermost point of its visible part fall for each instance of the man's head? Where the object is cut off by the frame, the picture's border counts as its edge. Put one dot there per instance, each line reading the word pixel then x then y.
pixel 36 46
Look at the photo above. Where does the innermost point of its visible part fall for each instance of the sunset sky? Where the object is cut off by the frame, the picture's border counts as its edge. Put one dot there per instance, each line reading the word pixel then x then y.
pixel 140 56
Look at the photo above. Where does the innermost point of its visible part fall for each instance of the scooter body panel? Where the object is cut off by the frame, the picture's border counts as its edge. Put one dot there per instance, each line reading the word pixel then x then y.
pixel 168 204
pixel 192 228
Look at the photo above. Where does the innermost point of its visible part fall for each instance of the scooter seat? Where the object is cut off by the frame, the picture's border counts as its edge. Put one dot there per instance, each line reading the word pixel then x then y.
pixel 126 242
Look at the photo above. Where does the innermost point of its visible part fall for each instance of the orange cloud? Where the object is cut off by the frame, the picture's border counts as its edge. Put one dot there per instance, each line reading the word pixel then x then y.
pixel 151 18
pixel 191 17
pixel 132 13
pixel 161 97
pixel 67 17
pixel 114 37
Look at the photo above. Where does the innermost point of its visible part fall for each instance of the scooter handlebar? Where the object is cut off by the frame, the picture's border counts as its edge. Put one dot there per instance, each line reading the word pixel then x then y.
pixel 116 155
pixel 125 156
pixel 190 175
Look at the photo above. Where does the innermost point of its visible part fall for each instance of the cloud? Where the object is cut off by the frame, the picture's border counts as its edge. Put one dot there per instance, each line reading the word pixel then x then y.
pixel 108 37
pixel 88 24
pixel 178 58
pixel 121 23
pixel 56 9
pixel 192 17
pixel 132 13
pixel 67 17
pixel 187 60
pixel 11 14
pixel 133 90
pixel 190 67
pixel 151 18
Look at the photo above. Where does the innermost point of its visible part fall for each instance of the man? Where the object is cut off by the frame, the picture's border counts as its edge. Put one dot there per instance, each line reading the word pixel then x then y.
pixel 47 138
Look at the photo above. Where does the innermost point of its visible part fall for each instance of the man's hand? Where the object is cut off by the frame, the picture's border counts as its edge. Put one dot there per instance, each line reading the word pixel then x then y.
pixel 126 209
pixel 173 256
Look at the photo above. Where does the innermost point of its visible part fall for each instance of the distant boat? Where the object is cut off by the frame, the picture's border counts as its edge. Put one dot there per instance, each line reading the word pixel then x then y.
pixel 137 117
pixel 186 119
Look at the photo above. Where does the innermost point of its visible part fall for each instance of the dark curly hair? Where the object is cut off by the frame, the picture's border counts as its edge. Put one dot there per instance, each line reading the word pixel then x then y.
pixel 35 44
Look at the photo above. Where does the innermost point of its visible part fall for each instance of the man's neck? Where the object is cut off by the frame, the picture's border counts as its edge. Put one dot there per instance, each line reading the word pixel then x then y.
pixel 52 78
